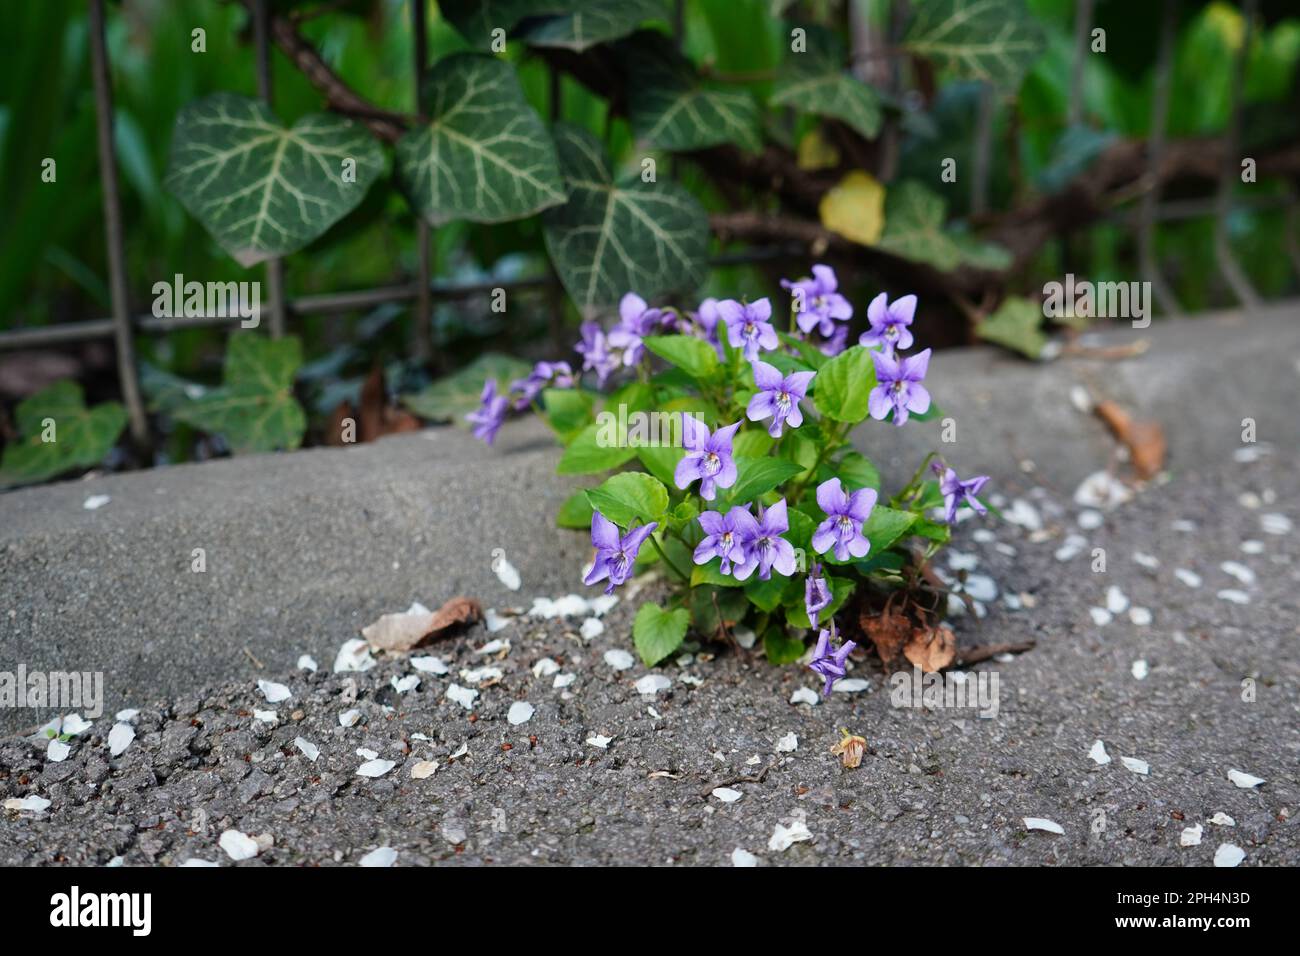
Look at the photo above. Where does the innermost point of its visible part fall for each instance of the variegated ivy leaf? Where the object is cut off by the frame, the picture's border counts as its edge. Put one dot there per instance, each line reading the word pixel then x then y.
pixel 485 155
pixel 914 230
pixel 992 40
pixel 670 108
pixel 263 190
pixel 476 20
pixel 615 236
pixel 820 86
pixel 594 21
pixel 59 433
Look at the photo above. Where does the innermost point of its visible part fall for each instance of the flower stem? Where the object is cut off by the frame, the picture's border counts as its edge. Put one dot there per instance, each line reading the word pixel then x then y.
pixel 668 561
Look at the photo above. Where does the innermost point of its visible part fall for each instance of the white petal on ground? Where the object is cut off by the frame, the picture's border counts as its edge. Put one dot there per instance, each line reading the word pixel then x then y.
pixel 1071 548
pixel 602 603
pixel 365 753
pixel 563 680
pixel 507 573
pixel 478 675
pixel 460 752
pixel 850 686
pixel 194 861
pixel 429 665
pixel 126 715
pixel 727 795
pixel 963 561
pixel 545 667
pixel 1042 823
pixel 1244 780
pixel 591 628
pixel 1022 513
pixel 741 857
pixel 1116 600
pixel 57 751
pixel 619 659
pixel 423 770
pixel 1136 765
pixel 1239 571
pixel 1098 753
pixel 1252 547
pixel 980 587
pixel 805 695
pixel 1100 616
pixel 1090 520
pixel 462 695
pixel 1274 523
pixel 119 738
pixel 745 636
pixel 494 621
pixel 308 663
pixel 273 692
pixel 349 718
pixel 383 856
pixel 1248 499
pixel 1233 595
pixel 354 655
pixel 404 685
pixel 1228 855
pixel 29 804
pixel 784 837
pixel 1148 561
pixel 1140 669
pixel 1190 578
pixel 571 605
pixel 1221 819
pixel 1140 616
pixel 1102 490
pixel 73 724
pixel 238 846
pixel 787 744
pixel 266 716
pixel 95 502
pixel 692 680
pixel 600 740
pixel 520 713
pixel 1191 836
pixel 652 684
pixel 495 646
pixel 1183 525
pixel 309 749
pixel 375 768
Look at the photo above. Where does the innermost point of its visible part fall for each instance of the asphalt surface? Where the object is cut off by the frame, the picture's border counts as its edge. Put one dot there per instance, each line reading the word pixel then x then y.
pixel 1219 688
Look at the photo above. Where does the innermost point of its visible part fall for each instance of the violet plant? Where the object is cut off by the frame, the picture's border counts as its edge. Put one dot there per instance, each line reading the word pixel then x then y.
pixel 728 442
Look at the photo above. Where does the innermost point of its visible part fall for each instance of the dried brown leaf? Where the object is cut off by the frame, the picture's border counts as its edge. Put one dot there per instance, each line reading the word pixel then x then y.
pixel 401 632
pixel 1145 440
pixel 931 649
pixel 889 632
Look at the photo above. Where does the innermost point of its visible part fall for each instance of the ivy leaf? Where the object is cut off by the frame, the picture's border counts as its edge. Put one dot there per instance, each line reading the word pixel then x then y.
pixel 81 436
pixel 594 21
pixel 914 230
pixel 693 356
pixel 262 190
pixel 485 155
pixel 254 409
pixel 614 236
pixel 631 497
pixel 657 633
pixel 757 476
pixel 996 41
pixel 476 19
pixel 1017 325
pixel 454 396
pixel 844 384
pixel 815 84
pixel 594 450
pixel 855 208
pixel 575 512
pixel 669 107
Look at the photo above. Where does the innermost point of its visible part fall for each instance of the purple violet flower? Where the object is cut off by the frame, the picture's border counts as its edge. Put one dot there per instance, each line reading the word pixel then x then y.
pixel 558 374
pixel 615 555
pixel 706 316
pixel 899 385
pixel 766 549
pixel 830 663
pixel 491 412
pixel 816 595
pixel 845 514
pixel 708 457
pixel 778 397
pixel 635 322
pixel 889 323
pixel 836 343
pixel 748 325
pixel 596 352
pixel 955 491
pixel 819 305
pixel 725 536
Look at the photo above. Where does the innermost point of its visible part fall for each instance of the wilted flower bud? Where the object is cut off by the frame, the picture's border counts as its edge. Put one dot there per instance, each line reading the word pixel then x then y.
pixel 850 749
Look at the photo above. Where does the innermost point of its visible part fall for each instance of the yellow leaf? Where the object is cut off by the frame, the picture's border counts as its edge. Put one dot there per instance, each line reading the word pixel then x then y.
pixel 816 153
pixel 855 208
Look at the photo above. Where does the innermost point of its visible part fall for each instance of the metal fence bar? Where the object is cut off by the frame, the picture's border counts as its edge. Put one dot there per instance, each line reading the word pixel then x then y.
pixel 422 327
pixel 121 321
pixel 1228 265
pixel 1082 28
pixel 275 266
pixel 1148 262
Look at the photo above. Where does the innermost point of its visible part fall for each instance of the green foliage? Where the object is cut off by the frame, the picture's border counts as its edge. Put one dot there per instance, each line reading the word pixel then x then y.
pixel 914 218
pixel 844 383
pixel 991 40
pixel 1017 324
pixel 451 398
pixel 657 633
pixel 58 433
pixel 629 498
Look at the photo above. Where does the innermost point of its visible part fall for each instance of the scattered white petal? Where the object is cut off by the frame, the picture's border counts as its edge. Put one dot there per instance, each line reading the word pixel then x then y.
pixel 1244 780
pixel 784 837
pixel 1239 571
pixel 545 667
pixel 1191 836
pixel 119 738
pixel 1274 523
pixel 195 861
pixel 506 572
pixel 423 770
pixel 652 684
pixel 1140 616
pixel 31 804
pixel 520 713
pixel 850 686
pixel 727 795
pixel 1136 765
pixel 1116 600
pixel 1101 490
pixel 354 655
pixel 980 587
pixel 74 724
pixel 1252 547
pixel 1221 819
pixel 307 663
pixel 1233 595
pixel 1248 499
pixel 563 680
pixel 273 692
pixel 571 605
pixel 600 740
pixel 404 685
pixel 1024 514
pixel 429 665
pixel 1148 561
pixel 805 695
pixel 1140 670
pixel 464 696
pixel 57 751
pixel 495 646
pixel 745 636
pixel 266 716
pixel 602 603
pixel 787 744
pixel 95 502
pixel 1098 753
pixel 494 621
pixel 383 856
pixel 963 561
pixel 238 846
pixel 478 675
pixel 1071 548
pixel 1228 855
pixel 1100 616
pixel 1041 823
pixel 124 716
pixel 309 749
pixel 375 768
pixel 591 628
pixel 365 753
pixel 460 752
pixel 349 718
pixel 1090 520
pixel 1080 399
pixel 1190 578
pixel 619 659
pixel 1183 525
pixel 741 857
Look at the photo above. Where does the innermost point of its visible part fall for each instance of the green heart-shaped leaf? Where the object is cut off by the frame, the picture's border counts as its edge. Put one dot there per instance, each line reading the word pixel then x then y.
pixel 588 22
pixel 79 437
pixel 657 633
pixel 632 497
pixel 992 40
pixel 844 384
